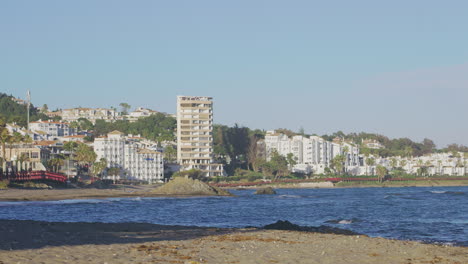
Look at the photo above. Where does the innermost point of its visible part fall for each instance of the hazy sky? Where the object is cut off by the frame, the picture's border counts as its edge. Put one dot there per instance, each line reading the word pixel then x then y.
pixel 399 68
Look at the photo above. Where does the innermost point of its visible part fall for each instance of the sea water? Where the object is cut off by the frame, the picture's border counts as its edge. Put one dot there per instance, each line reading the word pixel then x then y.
pixel 429 214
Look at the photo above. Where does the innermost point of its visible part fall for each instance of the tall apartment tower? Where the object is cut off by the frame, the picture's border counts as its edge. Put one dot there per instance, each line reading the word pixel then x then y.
pixel 195 135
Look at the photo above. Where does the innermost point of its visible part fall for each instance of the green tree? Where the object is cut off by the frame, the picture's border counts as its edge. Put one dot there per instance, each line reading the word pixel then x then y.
pixel 114 172
pixel 170 153
pixel 381 172
pixel 98 167
pixel 125 107
pixel 337 164
pixel 291 160
pixel 85 155
pixel 5 139
pixel 370 162
pixel 279 164
pixel 393 163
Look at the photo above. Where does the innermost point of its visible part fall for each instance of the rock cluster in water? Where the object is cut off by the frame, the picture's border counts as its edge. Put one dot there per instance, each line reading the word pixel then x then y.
pixel 187 186
pixel 266 190
pixel 286 225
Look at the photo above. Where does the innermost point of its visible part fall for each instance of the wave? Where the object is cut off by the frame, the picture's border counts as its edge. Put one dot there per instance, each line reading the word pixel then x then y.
pixel 448 192
pixel 343 221
pixel 79 201
pixel 290 196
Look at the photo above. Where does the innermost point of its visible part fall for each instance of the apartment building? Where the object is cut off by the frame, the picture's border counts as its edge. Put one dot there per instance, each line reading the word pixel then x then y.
pixel 195 135
pixel 51 130
pixel 312 154
pixel 140 112
pixel 136 161
pixel 92 114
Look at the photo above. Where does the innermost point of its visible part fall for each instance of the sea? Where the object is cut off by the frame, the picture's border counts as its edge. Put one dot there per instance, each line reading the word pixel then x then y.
pixel 427 214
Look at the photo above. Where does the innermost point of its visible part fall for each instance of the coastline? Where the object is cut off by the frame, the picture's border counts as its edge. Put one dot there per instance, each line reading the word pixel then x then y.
pixel 52 242
pixel 16 195
pixel 340 185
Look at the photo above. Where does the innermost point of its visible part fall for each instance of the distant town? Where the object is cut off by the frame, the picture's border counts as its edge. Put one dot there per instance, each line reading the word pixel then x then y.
pixel 148 146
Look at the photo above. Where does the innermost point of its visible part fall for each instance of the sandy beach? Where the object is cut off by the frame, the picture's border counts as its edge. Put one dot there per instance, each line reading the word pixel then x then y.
pixel 43 242
pixel 74 193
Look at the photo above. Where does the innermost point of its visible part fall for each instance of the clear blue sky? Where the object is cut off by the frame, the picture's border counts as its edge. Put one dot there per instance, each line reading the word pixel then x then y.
pixel 399 68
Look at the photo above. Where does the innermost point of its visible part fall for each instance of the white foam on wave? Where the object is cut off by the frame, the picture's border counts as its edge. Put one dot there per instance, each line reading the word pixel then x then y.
pixel 78 201
pixel 289 196
pixel 438 191
pixel 345 222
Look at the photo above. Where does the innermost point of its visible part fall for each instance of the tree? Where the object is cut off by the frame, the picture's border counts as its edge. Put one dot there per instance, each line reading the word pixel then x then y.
pixel 125 107
pixel 408 151
pixel 5 139
pixel 98 167
pixel 170 153
pixel 114 171
pixel 252 158
pixel 291 160
pixel 381 172
pixel 393 163
pixel 337 164
pixel 279 164
pixel 85 155
pixel 403 163
pixel 55 164
pixel 44 108
pixel 370 161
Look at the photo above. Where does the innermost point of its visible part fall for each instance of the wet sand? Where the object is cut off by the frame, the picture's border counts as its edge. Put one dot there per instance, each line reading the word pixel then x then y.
pixel 43 242
pixel 74 193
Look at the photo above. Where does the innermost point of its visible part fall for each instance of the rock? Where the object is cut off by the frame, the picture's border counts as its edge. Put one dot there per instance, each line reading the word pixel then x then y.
pixel 266 190
pixel 187 186
pixel 286 225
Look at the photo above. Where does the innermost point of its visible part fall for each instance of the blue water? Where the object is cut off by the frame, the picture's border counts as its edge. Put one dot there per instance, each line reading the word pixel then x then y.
pixel 430 214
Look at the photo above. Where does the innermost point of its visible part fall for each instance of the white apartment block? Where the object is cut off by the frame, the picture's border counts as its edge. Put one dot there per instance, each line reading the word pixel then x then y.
pixel 136 161
pixel 140 112
pixel 51 130
pixel 195 135
pixel 436 164
pixel 92 114
pixel 312 154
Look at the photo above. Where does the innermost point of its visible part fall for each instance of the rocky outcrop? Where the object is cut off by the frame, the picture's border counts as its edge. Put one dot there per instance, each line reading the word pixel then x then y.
pixel 187 186
pixel 286 225
pixel 266 190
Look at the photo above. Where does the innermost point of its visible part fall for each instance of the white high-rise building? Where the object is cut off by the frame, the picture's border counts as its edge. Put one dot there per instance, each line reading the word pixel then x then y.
pixel 135 160
pixel 195 135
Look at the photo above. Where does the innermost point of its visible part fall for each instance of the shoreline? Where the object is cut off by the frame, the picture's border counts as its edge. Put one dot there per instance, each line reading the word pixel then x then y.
pixel 21 195
pixel 54 242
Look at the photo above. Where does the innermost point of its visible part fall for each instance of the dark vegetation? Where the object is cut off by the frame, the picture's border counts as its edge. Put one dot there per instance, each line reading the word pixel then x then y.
pixel 11 111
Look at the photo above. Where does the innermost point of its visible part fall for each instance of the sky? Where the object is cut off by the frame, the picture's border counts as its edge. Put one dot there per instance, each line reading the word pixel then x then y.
pixel 397 68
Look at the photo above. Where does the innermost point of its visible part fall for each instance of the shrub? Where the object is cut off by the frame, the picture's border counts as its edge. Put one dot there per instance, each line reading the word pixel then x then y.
pixel 4 184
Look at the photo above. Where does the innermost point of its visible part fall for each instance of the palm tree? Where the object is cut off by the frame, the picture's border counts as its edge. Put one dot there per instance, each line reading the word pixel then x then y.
pixel 98 167
pixel 85 155
pixel 393 163
pixel 381 172
pixel 408 151
pixel 70 147
pixel 4 140
pixel 371 162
